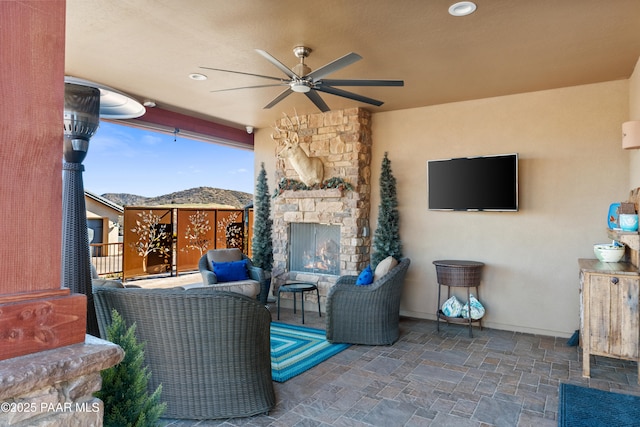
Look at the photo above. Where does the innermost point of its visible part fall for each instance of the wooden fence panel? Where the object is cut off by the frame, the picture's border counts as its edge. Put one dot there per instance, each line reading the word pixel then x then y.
pixel 148 241
pixel 194 237
pixel 164 240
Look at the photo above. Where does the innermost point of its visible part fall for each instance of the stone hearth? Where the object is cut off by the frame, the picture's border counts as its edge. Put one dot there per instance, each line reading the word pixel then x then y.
pixel 342 140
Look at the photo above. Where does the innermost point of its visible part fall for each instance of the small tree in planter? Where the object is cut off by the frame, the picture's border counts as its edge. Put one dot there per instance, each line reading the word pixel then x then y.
pixel 262 244
pixel 386 240
pixel 124 386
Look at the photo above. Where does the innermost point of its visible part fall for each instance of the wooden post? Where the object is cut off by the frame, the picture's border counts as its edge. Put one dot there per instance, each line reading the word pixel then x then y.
pixel 36 314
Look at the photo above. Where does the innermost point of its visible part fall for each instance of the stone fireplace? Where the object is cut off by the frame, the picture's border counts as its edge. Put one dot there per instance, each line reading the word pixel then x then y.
pixel 321 234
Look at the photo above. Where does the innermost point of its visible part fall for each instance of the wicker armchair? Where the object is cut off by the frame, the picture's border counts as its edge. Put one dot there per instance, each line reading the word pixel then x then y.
pixel 258 285
pixel 366 314
pixel 209 349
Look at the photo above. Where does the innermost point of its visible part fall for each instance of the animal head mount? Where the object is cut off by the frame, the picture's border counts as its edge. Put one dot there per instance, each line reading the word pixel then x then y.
pixel 309 169
pixel 288 135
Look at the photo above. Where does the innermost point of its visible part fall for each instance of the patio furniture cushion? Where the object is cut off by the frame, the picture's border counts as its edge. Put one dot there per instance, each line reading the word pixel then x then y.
pixel 248 287
pixel 254 284
pixel 96 280
pixel 365 277
pixel 224 255
pixel 385 266
pixel 231 271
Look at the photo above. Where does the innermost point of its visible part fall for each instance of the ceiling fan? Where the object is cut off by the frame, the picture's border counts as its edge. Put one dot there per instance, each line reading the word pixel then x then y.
pixel 303 80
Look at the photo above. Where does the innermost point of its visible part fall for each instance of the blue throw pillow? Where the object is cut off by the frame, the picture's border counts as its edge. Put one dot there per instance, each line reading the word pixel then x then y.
pixel 231 271
pixel 365 277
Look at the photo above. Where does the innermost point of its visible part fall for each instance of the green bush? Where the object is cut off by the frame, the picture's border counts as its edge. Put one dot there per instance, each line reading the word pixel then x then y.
pixel 124 387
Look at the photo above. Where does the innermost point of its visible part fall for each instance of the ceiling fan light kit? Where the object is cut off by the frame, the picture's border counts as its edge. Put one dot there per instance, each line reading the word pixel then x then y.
pixel 300 86
pixel 301 79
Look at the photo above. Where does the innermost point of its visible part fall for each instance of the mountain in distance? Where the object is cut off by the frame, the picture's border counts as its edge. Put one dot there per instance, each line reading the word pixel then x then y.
pixel 212 197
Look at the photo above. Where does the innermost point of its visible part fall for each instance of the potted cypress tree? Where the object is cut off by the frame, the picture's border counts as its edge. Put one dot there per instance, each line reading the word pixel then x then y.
pixel 386 240
pixel 124 387
pixel 262 244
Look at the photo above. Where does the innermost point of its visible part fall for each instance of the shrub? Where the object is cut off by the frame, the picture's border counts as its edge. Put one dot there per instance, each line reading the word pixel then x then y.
pixel 124 387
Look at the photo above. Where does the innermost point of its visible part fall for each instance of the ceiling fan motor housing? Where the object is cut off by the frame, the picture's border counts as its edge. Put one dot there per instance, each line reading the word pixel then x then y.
pixel 301 69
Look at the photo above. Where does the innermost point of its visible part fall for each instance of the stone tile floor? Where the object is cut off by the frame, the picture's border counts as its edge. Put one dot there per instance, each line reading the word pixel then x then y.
pixel 430 378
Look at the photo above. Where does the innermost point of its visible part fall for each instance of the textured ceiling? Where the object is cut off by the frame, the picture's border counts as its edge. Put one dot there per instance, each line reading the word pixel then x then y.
pixel 147 48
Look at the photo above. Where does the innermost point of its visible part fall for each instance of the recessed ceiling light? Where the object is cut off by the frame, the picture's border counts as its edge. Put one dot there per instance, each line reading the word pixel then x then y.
pixel 197 76
pixel 462 8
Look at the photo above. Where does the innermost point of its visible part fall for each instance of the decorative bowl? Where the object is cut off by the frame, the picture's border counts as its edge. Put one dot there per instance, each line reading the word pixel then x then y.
pixel 607 252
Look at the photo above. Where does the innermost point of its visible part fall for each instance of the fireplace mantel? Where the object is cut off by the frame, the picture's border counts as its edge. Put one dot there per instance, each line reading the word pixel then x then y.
pixel 326 193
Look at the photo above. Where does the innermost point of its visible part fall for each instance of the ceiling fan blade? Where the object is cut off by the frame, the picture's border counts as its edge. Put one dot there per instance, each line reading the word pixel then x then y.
pixel 278 98
pixel 338 82
pixel 249 87
pixel 333 66
pixel 319 102
pixel 277 63
pixel 246 74
pixel 350 95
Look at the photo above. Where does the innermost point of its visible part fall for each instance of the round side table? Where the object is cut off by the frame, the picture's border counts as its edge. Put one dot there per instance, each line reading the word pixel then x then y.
pixel 457 273
pixel 301 288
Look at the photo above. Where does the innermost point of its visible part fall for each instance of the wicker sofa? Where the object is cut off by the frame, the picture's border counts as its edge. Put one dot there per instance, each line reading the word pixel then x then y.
pixel 256 285
pixel 366 314
pixel 209 349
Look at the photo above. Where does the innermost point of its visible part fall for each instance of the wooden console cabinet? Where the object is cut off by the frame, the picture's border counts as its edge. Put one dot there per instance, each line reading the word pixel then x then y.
pixel 609 316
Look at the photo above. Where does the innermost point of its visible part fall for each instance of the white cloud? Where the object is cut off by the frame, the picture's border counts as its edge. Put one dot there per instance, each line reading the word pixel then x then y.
pixel 150 139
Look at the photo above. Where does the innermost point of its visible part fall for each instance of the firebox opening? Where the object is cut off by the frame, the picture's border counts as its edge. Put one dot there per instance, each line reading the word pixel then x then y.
pixel 315 248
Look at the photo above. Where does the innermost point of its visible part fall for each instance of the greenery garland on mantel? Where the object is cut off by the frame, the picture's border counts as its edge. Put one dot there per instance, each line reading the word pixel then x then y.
pixel 291 184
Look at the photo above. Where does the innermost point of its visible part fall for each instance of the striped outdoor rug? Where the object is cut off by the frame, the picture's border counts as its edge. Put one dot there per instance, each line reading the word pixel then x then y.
pixel 295 349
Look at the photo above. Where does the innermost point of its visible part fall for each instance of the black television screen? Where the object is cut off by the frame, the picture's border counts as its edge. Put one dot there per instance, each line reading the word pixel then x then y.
pixel 487 183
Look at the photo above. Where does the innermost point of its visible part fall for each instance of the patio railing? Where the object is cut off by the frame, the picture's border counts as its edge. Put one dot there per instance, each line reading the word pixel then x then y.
pixel 107 257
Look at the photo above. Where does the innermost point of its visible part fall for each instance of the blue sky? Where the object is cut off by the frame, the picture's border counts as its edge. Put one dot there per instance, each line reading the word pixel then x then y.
pixel 123 159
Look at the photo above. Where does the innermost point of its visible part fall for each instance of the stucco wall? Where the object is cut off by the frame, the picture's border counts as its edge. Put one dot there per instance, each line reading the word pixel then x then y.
pixel 97 210
pixel 634 114
pixel 572 167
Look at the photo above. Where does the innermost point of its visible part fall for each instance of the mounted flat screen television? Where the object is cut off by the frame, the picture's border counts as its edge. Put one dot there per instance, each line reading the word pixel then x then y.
pixel 486 183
